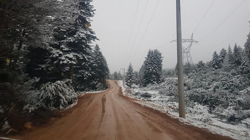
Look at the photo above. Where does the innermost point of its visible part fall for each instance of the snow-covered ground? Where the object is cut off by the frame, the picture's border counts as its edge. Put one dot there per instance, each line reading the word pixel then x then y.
pixel 120 83
pixel 80 94
pixel 196 114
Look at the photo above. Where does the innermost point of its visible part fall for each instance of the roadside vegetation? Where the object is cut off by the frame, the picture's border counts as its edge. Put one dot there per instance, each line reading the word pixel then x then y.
pixel 47 55
pixel 215 91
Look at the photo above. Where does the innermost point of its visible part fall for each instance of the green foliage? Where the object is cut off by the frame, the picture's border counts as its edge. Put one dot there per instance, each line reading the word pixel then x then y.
pixel 200 65
pixel 19 28
pixel 48 41
pixel 247 46
pixel 129 76
pixel 152 69
pixel 216 62
pixel 237 56
pixel 187 68
pixel 223 54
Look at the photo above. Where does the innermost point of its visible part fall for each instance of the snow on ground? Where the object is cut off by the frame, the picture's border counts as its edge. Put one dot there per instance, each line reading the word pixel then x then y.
pixel 197 115
pixel 120 83
pixel 80 94
pixel 4 138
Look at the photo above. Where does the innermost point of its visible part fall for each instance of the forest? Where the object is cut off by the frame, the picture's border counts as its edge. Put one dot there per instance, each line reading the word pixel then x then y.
pixel 48 55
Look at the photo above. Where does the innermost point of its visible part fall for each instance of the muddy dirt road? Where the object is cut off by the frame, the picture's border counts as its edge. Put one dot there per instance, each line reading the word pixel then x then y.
pixel 110 116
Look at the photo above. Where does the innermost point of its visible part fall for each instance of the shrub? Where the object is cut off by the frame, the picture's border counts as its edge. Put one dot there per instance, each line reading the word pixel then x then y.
pixel 53 95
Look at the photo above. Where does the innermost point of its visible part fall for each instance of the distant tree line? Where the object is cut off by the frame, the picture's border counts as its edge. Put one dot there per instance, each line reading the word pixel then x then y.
pixel 230 60
pixel 149 73
pixel 235 60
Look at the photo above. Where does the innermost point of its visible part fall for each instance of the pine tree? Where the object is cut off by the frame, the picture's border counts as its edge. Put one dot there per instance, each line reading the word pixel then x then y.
pixel 223 54
pixel 247 56
pixel 152 68
pixel 230 55
pixel 69 44
pixel 115 75
pixel 216 62
pixel 136 78
pixel 187 68
pixel 141 75
pixel 237 56
pixel 226 65
pixel 100 67
pixel 120 76
pixel 200 65
pixel 19 28
pixel 247 46
pixel 129 76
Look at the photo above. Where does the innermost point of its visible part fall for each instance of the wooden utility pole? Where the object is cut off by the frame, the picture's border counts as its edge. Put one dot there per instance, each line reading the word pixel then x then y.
pixel 180 63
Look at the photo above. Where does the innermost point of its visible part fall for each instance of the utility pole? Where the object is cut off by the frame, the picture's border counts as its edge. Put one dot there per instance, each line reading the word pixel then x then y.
pixel 123 76
pixel 179 59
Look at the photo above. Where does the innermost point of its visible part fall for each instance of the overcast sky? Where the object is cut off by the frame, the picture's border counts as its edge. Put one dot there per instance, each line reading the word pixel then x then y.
pixel 126 35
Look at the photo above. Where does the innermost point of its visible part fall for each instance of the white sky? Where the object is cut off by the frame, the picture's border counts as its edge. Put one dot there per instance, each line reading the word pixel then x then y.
pixel 113 24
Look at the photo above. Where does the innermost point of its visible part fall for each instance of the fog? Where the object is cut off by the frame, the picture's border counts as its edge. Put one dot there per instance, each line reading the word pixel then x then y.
pixel 126 32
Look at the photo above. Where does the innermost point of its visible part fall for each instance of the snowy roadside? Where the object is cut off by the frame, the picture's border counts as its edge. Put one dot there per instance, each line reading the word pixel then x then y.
pixel 120 83
pixel 80 94
pixel 197 115
pixel 4 138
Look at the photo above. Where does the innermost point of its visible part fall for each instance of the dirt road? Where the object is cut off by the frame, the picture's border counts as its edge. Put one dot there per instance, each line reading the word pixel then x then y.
pixel 110 116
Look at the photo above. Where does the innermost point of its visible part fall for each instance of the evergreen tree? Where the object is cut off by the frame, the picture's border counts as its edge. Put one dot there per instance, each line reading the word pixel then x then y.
pixel 141 75
pixel 230 55
pixel 120 76
pixel 237 56
pixel 247 47
pixel 200 65
pixel 153 68
pixel 187 68
pixel 129 76
pixel 216 62
pixel 136 78
pixel 20 21
pixel 115 75
pixel 223 54
pixel 226 65
pixel 100 67
pixel 245 68
pixel 69 44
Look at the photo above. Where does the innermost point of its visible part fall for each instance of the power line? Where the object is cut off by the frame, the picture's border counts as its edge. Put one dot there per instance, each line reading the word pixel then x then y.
pixel 139 27
pixel 223 20
pixel 204 16
pixel 132 28
pixel 147 26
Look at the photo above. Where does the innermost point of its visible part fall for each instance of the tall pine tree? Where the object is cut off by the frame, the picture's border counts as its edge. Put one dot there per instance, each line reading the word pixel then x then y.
pixel 216 62
pixel 247 46
pixel 223 54
pixel 237 56
pixel 152 68
pixel 230 55
pixel 100 67
pixel 129 76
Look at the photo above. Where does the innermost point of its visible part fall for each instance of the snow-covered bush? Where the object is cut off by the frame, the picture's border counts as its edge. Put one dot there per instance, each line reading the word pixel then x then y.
pixel 57 95
pixel 52 95
pixel 200 112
